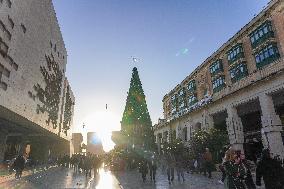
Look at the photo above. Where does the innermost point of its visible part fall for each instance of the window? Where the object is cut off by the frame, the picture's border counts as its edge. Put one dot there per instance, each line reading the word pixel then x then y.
pixel 173 103
pixel 216 67
pixel 261 33
pixel 181 92
pixel 192 99
pixel 181 105
pixel 191 85
pixel 218 83
pixel 185 133
pixel 173 97
pixel 266 55
pixel 235 53
pixel 238 72
pixel 181 98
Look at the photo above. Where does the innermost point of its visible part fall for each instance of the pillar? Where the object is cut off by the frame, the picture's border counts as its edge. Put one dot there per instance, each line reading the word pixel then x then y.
pixel 158 142
pixel 3 138
pixel 271 126
pixel 235 128
pixel 207 120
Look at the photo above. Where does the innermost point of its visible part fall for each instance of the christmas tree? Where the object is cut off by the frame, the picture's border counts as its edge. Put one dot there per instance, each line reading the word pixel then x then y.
pixel 136 124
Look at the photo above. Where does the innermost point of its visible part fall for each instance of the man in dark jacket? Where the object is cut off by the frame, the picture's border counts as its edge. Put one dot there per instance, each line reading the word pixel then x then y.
pixel 143 168
pixel 19 165
pixel 208 164
pixel 271 171
pixel 152 164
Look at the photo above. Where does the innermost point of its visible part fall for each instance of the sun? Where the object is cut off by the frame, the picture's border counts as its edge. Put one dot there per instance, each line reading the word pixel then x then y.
pixel 103 123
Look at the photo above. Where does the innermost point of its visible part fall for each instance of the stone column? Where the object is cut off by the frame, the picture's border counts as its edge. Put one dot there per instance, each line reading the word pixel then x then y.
pixel 169 135
pixel 163 136
pixel 235 128
pixel 158 143
pixel 271 126
pixel 207 120
pixel 3 138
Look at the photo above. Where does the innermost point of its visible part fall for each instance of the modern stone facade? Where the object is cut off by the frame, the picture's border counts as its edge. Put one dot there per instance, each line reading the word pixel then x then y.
pixel 77 139
pixel 94 144
pixel 36 101
pixel 240 87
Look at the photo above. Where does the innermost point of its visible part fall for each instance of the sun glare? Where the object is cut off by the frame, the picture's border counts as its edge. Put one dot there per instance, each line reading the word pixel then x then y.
pixel 103 123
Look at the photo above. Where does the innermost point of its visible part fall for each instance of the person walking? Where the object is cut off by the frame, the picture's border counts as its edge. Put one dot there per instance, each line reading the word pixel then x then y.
pixel 208 162
pixel 170 167
pixel 19 165
pixel 153 168
pixel 221 167
pixel 233 171
pixel 270 170
pixel 143 169
pixel 200 163
pixel 248 180
pixel 180 167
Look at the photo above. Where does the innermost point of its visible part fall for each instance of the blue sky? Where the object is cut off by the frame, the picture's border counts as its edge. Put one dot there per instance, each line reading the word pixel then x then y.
pixel 170 37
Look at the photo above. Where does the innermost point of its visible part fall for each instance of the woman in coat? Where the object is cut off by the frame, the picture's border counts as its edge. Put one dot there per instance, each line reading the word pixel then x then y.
pixel 234 171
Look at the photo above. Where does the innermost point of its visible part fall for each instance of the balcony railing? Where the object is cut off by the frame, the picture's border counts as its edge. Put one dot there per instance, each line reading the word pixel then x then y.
pixel 219 88
pixel 239 76
pixel 237 57
pixel 263 38
pixel 268 60
pixel 271 69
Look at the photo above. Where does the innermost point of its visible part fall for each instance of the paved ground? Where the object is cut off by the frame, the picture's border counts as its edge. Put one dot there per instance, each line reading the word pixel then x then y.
pixel 133 180
pixel 130 180
pixel 56 178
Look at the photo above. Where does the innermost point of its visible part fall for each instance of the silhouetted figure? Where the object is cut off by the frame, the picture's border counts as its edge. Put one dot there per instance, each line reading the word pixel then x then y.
pixel 153 168
pixel 180 167
pixel 19 165
pixel 170 167
pixel 208 162
pixel 270 170
pixel 248 181
pixel 143 169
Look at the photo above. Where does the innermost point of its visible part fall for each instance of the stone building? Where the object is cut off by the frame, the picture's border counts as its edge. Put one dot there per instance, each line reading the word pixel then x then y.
pixel 239 88
pixel 36 101
pixel 94 144
pixel 77 139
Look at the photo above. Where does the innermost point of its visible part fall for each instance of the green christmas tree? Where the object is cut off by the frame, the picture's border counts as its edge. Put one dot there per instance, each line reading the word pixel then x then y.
pixel 136 124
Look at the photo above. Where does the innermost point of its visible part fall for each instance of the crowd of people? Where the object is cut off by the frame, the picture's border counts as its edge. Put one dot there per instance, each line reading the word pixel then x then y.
pixel 81 163
pixel 236 169
pixel 237 174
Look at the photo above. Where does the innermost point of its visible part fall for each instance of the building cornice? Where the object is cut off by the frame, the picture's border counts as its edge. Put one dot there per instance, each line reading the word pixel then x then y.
pixel 229 43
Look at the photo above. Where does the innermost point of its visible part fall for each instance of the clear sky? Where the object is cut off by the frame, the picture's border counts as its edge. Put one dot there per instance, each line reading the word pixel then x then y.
pixel 170 37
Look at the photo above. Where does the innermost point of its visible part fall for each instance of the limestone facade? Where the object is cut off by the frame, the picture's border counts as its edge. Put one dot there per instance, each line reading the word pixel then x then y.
pixel 35 96
pixel 77 139
pixel 240 87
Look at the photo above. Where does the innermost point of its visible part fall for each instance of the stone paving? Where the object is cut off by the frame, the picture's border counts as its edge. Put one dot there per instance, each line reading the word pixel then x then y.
pixel 130 180
pixel 133 180
pixel 57 177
